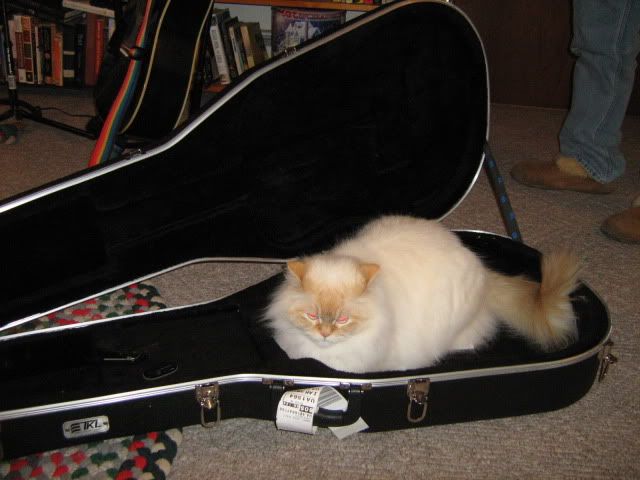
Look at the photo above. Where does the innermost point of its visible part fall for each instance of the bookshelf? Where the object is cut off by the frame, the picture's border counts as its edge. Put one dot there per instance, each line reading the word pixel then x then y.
pixel 247 10
pixel 352 7
pixel 85 6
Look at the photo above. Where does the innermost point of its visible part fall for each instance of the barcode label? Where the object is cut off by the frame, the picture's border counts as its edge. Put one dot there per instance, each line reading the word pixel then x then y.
pixel 329 396
pixel 297 407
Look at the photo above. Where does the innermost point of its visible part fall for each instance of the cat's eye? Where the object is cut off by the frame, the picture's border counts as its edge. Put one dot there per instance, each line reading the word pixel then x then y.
pixel 342 319
pixel 311 316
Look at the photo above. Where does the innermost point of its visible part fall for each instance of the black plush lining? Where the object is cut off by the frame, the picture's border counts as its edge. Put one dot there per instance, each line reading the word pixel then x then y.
pixel 387 118
pixel 228 338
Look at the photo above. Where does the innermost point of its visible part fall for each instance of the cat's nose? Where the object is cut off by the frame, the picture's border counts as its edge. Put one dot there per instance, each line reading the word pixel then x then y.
pixel 325 331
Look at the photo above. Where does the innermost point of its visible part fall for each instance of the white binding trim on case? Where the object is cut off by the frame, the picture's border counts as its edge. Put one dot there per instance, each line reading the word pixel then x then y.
pixel 198 261
pixel 203 260
pixel 192 74
pixel 173 268
pixel 296 380
pixel 230 93
pixel 134 115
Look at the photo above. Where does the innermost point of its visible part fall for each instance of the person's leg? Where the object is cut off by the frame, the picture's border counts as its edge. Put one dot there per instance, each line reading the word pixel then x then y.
pixel 606 40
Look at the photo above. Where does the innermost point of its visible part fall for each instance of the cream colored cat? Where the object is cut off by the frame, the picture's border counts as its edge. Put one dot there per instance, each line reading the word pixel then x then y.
pixel 404 291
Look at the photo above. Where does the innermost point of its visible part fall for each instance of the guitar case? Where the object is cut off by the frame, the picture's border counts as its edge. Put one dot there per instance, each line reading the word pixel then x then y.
pixel 388 114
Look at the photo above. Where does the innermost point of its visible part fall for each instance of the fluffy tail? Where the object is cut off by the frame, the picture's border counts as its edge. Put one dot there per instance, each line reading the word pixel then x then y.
pixel 541 312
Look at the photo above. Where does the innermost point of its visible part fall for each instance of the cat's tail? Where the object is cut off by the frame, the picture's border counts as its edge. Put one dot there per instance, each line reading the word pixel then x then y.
pixel 542 312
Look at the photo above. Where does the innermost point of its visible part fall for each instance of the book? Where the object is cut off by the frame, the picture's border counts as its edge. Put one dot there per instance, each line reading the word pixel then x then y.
pixel 292 26
pixel 15 30
pixel 28 49
pixel 253 42
pixel 111 27
pixel 217 18
pixel 68 55
pixel 101 29
pixel 210 69
pixel 239 54
pixel 228 49
pixel 56 58
pixel 11 24
pixel 79 47
pixel 90 75
pixel 46 38
pixel 3 59
pixel 39 55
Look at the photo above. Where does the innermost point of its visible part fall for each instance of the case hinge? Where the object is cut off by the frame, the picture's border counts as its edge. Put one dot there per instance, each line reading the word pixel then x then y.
pixel 606 359
pixel 208 397
pixel 418 393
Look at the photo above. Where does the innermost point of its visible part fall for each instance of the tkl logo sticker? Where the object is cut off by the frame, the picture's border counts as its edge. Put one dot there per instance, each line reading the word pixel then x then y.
pixel 84 427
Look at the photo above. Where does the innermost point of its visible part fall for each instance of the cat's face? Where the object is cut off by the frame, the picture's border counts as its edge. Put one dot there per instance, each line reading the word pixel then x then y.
pixel 331 305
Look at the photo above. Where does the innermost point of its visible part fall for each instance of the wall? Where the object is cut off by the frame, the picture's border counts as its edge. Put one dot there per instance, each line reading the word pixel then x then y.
pixel 527 44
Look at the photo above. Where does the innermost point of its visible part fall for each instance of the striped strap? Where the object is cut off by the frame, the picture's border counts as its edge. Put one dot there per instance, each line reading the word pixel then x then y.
pixel 104 145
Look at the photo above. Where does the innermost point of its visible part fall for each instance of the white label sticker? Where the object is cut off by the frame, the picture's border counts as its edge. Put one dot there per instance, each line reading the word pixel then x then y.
pixel 297 408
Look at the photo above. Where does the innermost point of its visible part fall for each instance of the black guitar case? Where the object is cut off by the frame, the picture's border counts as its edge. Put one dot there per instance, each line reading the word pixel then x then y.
pixel 386 115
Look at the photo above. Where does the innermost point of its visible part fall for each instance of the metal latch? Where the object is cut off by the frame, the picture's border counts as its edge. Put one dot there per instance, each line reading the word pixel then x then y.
pixel 418 393
pixel 208 396
pixel 606 359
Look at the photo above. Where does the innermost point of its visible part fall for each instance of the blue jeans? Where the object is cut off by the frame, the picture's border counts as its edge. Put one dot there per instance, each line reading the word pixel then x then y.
pixel 606 39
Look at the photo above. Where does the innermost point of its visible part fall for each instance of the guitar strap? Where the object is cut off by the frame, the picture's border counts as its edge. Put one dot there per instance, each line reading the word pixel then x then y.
pixel 102 149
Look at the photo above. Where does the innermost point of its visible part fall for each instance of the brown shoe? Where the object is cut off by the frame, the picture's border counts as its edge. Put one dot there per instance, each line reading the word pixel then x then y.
pixel 624 226
pixel 548 176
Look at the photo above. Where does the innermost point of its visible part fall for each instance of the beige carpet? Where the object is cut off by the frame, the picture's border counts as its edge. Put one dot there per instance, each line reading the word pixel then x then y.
pixel 598 437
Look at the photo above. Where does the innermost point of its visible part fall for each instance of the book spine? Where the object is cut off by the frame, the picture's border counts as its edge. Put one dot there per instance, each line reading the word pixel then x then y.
pixel 56 58
pixel 259 47
pixel 237 31
pixel 246 42
pixel 12 38
pixel 37 34
pixel 3 60
pixel 47 67
pixel 236 49
pixel 228 51
pixel 90 51
pixel 18 53
pixel 100 44
pixel 79 59
pixel 68 56
pixel 218 50
pixel 27 49
pixel 111 27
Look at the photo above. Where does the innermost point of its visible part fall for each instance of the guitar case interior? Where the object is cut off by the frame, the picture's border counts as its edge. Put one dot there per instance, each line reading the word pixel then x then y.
pixel 389 114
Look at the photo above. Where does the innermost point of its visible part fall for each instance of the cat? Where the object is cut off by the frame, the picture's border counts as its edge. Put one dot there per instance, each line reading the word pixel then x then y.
pixel 404 291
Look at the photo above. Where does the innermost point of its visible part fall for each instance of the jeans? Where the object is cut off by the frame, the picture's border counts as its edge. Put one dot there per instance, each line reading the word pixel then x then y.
pixel 606 39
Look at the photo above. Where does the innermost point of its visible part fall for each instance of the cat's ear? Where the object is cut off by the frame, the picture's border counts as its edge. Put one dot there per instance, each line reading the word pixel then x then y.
pixel 298 268
pixel 369 270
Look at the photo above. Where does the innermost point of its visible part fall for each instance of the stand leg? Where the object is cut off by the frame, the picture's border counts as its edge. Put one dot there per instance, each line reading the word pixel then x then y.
pixel 497 184
pixel 19 109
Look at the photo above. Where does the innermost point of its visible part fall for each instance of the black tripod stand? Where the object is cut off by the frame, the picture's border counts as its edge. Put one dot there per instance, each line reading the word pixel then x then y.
pixel 19 109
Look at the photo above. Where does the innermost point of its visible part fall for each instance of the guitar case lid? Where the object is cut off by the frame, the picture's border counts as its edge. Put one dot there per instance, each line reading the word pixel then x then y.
pixel 388 114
